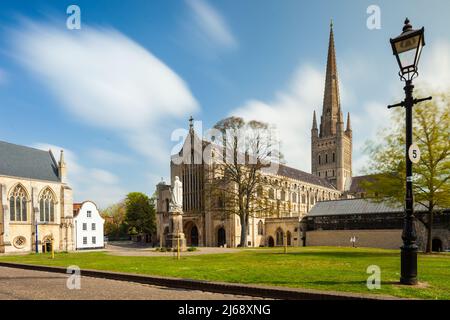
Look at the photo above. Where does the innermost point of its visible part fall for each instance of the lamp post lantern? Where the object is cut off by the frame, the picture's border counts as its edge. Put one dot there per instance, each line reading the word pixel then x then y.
pixel 407 48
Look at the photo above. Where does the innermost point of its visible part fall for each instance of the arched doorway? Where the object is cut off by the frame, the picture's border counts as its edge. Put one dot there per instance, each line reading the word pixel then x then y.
pixel 221 237
pixel 436 245
pixel 194 236
pixel 280 236
pixel 47 244
pixel 270 242
pixel 166 236
pixel 288 238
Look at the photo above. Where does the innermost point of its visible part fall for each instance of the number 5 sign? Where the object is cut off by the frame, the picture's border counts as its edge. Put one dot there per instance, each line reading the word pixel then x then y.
pixel 414 153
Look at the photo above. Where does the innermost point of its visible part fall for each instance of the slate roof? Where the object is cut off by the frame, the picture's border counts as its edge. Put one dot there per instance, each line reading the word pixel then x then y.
pixel 296 174
pixel 355 186
pixel 356 206
pixel 25 162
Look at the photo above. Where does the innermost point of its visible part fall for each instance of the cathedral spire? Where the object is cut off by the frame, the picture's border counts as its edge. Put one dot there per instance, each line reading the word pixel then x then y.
pixel 331 101
pixel 314 126
pixel 349 128
pixel 191 124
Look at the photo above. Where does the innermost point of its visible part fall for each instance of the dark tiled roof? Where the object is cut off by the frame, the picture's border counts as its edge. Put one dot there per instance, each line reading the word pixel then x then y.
pixel 355 186
pixel 25 162
pixel 296 174
pixel 356 206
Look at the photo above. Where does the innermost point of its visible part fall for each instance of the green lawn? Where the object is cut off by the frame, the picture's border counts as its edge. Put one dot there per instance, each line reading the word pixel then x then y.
pixel 323 268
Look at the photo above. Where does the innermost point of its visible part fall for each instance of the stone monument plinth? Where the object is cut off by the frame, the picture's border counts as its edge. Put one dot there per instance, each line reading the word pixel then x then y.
pixel 176 236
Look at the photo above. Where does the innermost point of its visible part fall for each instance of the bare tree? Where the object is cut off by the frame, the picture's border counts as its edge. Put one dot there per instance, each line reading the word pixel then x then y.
pixel 236 180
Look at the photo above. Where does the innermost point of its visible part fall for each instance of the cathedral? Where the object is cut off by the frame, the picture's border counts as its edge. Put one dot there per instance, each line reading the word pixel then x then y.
pixel 36 204
pixel 291 192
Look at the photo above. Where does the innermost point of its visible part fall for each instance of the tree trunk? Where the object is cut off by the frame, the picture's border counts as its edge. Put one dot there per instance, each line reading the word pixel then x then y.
pixel 429 231
pixel 243 232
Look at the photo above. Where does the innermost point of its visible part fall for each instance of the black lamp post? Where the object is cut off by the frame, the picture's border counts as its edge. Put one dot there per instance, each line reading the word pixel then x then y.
pixel 407 48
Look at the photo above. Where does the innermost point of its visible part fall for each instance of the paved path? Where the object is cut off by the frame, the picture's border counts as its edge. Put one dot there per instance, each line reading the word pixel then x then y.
pixel 19 284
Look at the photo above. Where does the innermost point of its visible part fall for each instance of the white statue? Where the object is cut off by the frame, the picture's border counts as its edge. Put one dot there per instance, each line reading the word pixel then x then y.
pixel 176 191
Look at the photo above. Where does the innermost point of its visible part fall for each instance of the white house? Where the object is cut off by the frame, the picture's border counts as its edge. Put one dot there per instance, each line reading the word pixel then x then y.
pixel 88 226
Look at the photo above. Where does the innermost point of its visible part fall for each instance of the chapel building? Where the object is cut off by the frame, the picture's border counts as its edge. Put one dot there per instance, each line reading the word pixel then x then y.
pixel 36 203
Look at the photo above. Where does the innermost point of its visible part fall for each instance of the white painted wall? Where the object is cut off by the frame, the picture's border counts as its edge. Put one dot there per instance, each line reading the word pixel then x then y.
pixel 96 219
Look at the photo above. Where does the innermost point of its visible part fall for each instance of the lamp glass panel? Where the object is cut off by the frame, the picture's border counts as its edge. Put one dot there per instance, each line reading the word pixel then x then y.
pixel 407 58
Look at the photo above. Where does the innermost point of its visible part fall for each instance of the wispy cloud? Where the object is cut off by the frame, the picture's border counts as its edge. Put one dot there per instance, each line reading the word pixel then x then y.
pixel 105 79
pixel 105 156
pixel 101 186
pixel 291 112
pixel 209 26
pixel 434 66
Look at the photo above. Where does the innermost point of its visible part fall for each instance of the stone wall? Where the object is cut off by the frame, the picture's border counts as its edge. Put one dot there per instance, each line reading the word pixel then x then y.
pixel 387 239
pixel 284 224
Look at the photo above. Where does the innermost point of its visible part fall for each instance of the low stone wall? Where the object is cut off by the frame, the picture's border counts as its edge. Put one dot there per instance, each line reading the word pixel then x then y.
pixel 386 239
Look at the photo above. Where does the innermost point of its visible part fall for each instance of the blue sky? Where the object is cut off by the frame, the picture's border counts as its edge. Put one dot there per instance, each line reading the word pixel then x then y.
pixel 112 93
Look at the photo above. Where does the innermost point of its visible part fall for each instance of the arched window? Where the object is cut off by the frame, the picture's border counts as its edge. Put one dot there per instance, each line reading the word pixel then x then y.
pixel 280 236
pixel 220 202
pixel 283 195
pixel 326 157
pixel 294 197
pixel 303 198
pixel 47 206
pixel 18 209
pixel 260 228
pixel 271 194
pixel 259 192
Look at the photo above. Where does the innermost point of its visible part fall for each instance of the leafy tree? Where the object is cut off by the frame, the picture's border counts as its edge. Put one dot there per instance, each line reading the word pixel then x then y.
pixel 235 181
pixel 140 213
pixel 431 176
pixel 115 225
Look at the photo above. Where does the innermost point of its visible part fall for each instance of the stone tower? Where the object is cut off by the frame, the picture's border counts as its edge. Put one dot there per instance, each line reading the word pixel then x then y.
pixel 331 145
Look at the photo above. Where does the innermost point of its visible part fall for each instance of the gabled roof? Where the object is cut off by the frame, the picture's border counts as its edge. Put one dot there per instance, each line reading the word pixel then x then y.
pixel 357 206
pixel 26 162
